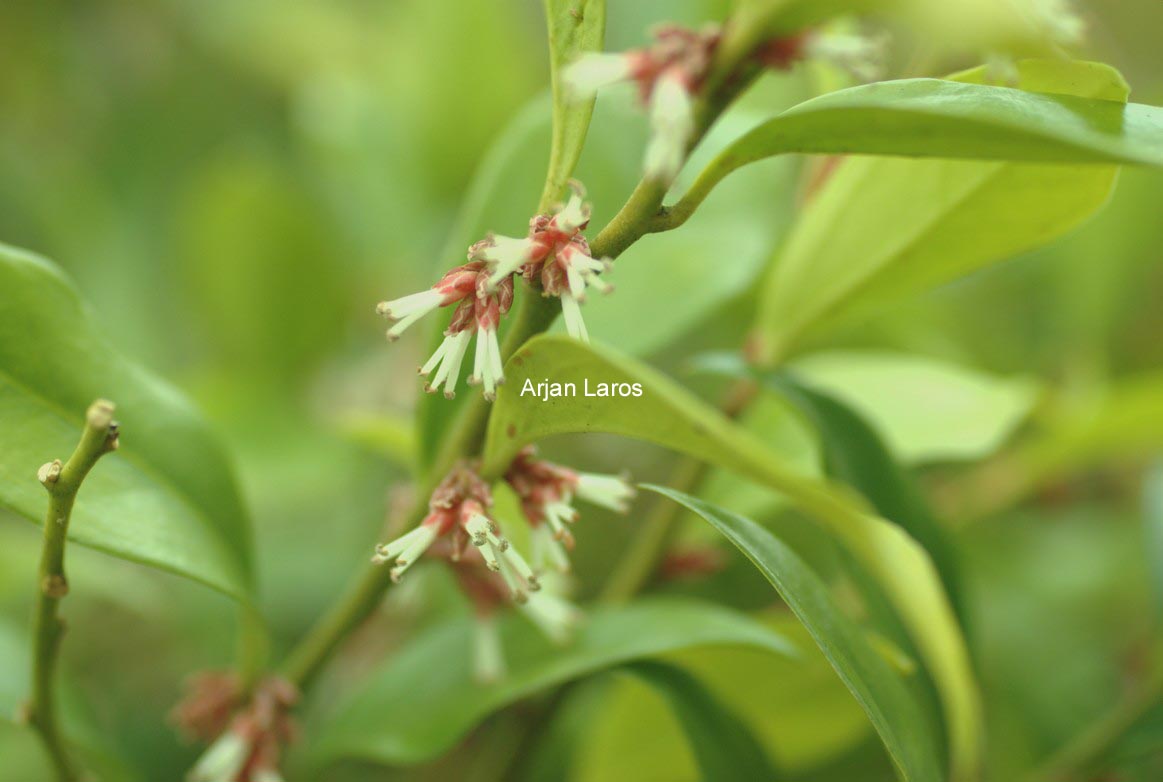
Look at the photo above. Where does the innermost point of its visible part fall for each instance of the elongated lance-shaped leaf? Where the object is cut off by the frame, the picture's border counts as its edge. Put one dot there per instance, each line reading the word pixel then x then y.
pixel 167 497
pixel 895 712
pixel 949 119
pixel 855 455
pixel 669 415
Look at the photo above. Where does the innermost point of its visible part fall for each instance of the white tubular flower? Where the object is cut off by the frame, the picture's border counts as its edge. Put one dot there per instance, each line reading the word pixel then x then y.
pixel 487 366
pixel 548 551
pixel 446 361
pixel 267 775
pixel 223 761
pixel 409 309
pixel 609 491
pixel 547 491
pixel 488 659
pixel 557 514
pixel 861 56
pixel 482 303
pixel 555 617
pixel 575 326
pixel 596 70
pixel 575 214
pixel 502 558
pixel 1064 26
pixel 505 254
pixel 672 125
pixel 582 270
pixel 410 553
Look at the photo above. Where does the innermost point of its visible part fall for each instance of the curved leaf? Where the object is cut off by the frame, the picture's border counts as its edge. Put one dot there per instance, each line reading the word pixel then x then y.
pixel 949 119
pixel 723 745
pixel 854 454
pixel 883 228
pixel 168 497
pixel 905 729
pixel 670 416
pixel 424 698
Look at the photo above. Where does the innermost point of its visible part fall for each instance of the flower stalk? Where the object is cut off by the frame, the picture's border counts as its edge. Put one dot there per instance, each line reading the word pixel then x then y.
pixel 62 481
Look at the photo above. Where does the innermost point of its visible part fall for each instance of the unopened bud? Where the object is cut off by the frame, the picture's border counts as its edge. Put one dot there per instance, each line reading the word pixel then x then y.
pixel 49 472
pixel 100 415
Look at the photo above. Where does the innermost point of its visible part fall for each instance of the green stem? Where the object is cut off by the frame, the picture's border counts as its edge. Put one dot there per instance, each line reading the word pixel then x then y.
pixel 62 482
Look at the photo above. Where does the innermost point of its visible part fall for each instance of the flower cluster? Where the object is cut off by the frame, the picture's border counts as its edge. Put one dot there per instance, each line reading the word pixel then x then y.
pixel 672 71
pixel 248 735
pixel 460 514
pixel 546 491
pixel 553 254
pixel 482 302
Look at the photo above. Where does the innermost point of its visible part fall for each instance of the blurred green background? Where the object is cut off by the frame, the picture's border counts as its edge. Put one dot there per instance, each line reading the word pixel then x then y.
pixel 234 185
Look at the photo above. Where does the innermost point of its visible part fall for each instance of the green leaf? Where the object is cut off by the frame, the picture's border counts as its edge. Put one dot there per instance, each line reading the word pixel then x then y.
pixel 882 228
pixel 424 698
pixel 723 745
pixel 668 415
pixel 854 454
pixel 948 119
pixel 925 409
pixel 904 727
pixel 575 27
pixel 168 497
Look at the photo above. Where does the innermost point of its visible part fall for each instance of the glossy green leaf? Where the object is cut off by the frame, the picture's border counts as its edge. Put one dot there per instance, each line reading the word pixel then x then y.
pixel 668 415
pixel 424 698
pixel 168 497
pixel 904 727
pixel 575 27
pixel 855 455
pixel 723 745
pixel 883 228
pixel 924 408
pixel 949 119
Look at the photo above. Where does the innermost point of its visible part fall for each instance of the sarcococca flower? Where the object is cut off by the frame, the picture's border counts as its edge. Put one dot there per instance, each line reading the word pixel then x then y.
pixel 547 492
pixel 481 305
pixel 554 254
pixel 669 74
pixel 459 511
pixel 672 71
